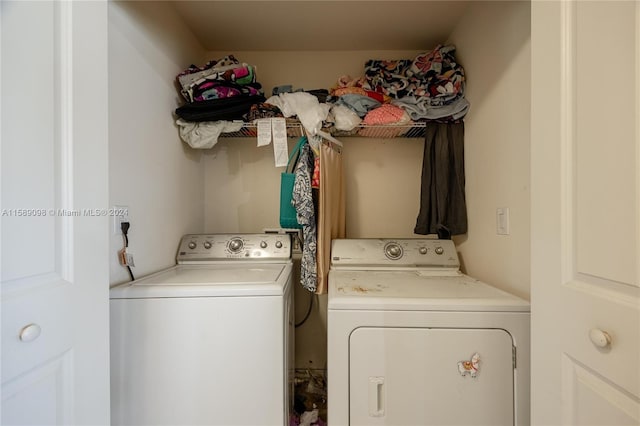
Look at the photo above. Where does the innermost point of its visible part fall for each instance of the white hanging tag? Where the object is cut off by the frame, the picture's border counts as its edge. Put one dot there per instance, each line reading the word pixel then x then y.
pixel 264 131
pixel 280 148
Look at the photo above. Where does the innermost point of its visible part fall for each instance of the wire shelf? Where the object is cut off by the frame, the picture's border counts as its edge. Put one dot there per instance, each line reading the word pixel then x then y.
pixel 295 130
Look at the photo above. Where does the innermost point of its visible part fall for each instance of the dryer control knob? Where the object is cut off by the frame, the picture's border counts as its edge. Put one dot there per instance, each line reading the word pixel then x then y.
pixel 235 245
pixel 439 250
pixel 263 244
pixel 422 250
pixel 278 244
pixel 192 245
pixel 393 251
pixel 207 245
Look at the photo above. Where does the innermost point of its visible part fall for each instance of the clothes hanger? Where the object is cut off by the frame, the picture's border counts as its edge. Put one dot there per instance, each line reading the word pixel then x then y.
pixel 330 141
pixel 330 138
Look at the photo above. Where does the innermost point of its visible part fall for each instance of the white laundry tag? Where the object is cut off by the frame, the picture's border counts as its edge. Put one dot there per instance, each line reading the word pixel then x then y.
pixel 280 148
pixel 264 131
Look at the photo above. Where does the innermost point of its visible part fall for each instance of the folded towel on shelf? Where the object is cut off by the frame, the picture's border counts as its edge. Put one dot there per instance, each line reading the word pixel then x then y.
pixel 420 109
pixel 387 114
pixel 360 104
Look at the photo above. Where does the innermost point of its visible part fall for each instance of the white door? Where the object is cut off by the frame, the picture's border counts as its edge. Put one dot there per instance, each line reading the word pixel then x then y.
pixel 430 376
pixel 55 362
pixel 585 212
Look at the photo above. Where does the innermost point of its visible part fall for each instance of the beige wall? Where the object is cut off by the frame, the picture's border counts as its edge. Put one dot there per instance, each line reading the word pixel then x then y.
pixel 382 176
pixel 493 40
pixel 150 169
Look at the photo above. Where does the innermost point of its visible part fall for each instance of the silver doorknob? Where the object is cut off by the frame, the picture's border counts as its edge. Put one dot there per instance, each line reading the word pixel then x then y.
pixel 599 338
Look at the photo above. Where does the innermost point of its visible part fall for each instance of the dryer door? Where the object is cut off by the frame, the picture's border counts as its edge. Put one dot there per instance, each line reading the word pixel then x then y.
pixel 431 376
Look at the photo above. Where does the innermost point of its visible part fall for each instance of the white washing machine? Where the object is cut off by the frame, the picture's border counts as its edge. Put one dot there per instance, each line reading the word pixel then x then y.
pixel 208 341
pixel 413 341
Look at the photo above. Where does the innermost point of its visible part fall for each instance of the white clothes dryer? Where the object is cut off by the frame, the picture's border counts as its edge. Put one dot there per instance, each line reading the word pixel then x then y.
pixel 208 341
pixel 413 341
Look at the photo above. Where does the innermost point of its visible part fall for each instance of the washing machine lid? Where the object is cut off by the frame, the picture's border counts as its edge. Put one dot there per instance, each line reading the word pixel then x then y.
pixel 210 280
pixel 417 291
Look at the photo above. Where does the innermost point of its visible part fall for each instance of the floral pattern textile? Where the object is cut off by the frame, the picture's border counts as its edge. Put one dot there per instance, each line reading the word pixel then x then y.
pixel 194 72
pixel 434 74
pixel 387 77
pixel 302 200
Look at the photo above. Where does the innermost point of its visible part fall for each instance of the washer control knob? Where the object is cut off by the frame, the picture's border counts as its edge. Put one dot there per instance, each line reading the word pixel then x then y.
pixel 235 245
pixel 393 251
pixel 192 245
pixel 422 250
pixel 439 250
pixel 278 244
pixel 207 245
pixel 263 244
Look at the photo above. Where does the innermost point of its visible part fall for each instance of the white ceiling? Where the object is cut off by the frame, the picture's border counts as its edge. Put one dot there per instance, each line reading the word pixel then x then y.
pixel 320 25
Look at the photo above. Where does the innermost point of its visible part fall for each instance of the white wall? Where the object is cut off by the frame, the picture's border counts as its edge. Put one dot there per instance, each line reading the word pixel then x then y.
pixel 150 170
pixel 493 40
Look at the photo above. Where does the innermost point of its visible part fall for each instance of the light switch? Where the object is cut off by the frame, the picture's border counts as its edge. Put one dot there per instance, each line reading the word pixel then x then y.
pixel 502 221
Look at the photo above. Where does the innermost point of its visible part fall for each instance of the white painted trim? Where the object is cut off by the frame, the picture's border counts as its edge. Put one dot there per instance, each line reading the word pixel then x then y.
pixel 23 286
pixel 64 225
pixel 1 205
pixel 569 388
pixel 637 38
pixel 603 289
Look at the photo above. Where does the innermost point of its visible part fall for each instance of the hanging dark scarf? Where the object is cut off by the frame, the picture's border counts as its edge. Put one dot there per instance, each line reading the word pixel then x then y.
pixel 442 195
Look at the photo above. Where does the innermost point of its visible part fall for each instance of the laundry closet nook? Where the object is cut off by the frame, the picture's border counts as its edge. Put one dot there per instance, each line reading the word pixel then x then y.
pixel 234 186
pixel 92 160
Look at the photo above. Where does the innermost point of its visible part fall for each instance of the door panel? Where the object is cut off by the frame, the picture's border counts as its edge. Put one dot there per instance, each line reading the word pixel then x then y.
pixel 603 151
pixel 33 168
pixel 411 376
pixel 48 386
pixel 594 399
pixel 55 366
pixel 585 212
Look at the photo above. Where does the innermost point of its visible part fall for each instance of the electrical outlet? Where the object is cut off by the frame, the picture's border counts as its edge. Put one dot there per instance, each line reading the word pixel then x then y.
pixel 120 214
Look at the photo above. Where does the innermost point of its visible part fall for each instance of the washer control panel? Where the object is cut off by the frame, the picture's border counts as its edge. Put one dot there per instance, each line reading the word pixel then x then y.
pixel 212 247
pixel 402 252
